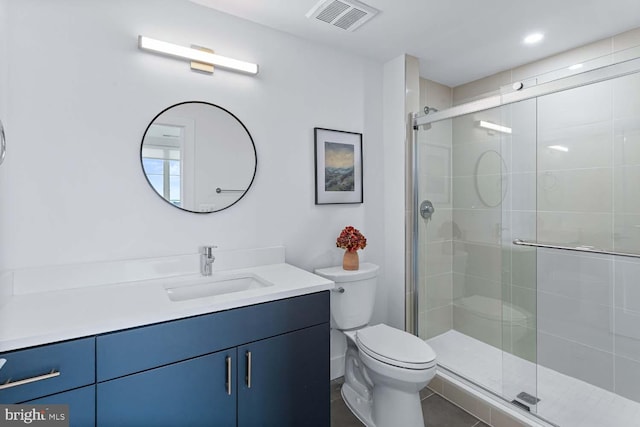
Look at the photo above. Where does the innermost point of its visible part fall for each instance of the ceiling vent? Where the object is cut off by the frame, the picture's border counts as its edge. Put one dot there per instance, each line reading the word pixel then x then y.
pixel 345 14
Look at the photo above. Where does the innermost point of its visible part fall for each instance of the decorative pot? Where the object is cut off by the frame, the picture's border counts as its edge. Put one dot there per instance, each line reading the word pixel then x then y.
pixel 350 261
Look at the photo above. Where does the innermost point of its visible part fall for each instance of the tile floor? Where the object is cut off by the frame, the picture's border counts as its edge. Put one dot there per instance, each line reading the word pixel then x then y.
pixel 438 412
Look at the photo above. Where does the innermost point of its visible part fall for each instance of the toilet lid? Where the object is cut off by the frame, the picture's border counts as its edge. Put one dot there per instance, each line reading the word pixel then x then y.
pixel 395 347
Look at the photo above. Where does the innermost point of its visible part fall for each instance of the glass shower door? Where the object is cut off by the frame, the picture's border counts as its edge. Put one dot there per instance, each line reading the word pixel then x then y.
pixel 588 303
pixel 476 295
pixel 519 272
pixel 529 265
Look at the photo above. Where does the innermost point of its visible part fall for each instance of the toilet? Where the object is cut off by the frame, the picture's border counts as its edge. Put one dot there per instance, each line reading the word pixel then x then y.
pixel 385 368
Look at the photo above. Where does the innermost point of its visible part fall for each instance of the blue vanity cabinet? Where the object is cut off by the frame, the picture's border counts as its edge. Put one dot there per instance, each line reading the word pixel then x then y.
pixel 81 401
pixel 194 392
pixel 177 373
pixel 283 381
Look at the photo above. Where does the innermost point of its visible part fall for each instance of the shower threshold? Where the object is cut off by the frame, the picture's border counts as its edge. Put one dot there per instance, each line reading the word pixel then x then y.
pixel 564 400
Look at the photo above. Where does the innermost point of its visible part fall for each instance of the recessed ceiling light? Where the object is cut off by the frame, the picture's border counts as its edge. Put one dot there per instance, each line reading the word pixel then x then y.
pixel 533 38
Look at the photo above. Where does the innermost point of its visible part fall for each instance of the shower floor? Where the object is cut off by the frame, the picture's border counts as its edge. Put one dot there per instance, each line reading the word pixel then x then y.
pixel 564 400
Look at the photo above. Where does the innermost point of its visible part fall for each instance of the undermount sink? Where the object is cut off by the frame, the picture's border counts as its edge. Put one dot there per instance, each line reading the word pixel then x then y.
pixel 216 286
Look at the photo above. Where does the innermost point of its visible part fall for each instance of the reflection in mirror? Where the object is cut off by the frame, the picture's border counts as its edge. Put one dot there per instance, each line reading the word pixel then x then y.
pixel 199 157
pixel 490 178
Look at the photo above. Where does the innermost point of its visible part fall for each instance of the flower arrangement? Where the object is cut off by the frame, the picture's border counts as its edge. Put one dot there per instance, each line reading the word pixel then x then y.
pixel 351 239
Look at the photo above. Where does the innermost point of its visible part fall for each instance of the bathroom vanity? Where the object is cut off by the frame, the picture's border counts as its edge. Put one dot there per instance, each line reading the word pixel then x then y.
pixel 263 363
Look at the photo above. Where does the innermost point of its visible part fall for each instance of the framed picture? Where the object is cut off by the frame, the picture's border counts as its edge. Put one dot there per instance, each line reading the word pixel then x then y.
pixel 338 157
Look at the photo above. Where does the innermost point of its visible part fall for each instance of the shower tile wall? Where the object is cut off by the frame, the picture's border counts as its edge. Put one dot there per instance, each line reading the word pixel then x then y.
pixel 575 168
pixel 589 306
pixel 435 315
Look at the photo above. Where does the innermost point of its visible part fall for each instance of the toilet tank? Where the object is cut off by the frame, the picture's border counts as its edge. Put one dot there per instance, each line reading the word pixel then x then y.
pixel 353 307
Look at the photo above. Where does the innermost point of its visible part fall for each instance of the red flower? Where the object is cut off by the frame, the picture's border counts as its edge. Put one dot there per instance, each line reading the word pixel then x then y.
pixel 351 239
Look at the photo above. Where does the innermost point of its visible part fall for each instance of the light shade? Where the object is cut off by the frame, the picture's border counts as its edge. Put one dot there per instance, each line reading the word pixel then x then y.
pixel 493 126
pixel 170 49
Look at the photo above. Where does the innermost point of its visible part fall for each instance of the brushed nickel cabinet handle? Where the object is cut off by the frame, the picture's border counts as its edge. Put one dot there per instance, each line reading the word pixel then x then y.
pixel 228 383
pixel 248 369
pixel 10 384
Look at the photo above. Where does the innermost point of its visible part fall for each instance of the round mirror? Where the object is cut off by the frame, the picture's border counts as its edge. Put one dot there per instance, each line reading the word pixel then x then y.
pixel 198 157
pixel 490 178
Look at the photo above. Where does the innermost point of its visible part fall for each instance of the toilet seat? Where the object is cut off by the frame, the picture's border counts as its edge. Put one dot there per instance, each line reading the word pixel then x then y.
pixel 395 347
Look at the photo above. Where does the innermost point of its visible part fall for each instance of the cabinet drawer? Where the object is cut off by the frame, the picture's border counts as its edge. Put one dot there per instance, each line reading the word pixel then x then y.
pixel 139 349
pixel 73 361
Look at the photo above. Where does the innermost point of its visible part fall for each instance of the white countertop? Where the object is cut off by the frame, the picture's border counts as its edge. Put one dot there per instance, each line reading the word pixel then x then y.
pixel 39 318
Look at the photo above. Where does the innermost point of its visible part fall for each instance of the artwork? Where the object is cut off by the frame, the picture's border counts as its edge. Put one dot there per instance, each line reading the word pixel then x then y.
pixel 338 157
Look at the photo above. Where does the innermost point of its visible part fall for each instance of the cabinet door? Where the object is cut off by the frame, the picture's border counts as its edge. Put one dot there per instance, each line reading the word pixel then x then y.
pixel 82 405
pixel 194 392
pixel 288 383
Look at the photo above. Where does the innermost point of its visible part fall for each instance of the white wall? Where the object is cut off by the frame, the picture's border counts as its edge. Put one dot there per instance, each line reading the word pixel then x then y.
pixel 80 95
pixel 394 187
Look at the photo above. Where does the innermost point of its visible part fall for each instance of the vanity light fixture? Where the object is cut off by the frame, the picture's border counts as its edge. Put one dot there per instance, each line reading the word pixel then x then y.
pixel 203 59
pixel 492 126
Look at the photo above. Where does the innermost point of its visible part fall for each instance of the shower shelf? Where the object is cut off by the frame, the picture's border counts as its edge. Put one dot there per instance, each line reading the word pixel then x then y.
pixel 580 248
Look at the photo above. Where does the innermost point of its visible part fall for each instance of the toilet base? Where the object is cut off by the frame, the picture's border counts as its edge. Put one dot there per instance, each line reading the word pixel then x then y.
pixel 395 390
pixel 360 407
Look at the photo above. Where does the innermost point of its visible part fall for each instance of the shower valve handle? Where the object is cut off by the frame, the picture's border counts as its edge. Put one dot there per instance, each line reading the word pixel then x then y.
pixel 427 209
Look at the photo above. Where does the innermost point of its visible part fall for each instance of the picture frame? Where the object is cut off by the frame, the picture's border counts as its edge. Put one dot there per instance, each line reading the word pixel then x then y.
pixel 338 166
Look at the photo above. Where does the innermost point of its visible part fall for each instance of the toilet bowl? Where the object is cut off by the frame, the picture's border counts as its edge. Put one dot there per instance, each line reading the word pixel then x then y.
pixel 385 368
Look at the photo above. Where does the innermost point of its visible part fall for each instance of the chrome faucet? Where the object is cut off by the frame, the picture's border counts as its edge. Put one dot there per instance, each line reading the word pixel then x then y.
pixel 206 260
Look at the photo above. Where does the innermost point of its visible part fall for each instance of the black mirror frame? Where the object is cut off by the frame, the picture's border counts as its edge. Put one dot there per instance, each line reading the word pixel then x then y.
pixel 255 154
